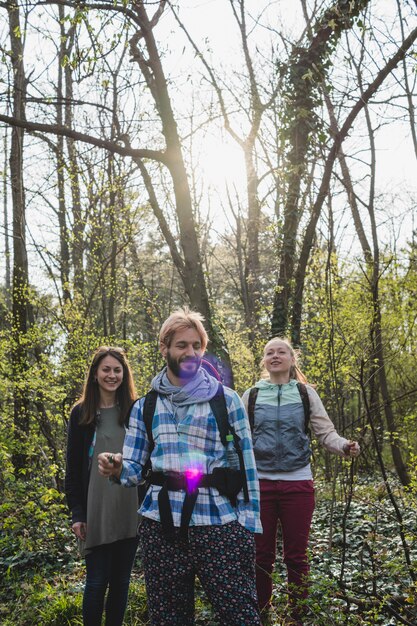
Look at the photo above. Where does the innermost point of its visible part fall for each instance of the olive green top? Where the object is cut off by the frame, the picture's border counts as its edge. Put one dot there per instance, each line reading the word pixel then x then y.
pixel 111 508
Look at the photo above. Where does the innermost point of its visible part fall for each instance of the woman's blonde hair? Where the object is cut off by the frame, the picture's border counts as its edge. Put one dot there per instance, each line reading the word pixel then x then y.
pixel 295 371
pixel 182 319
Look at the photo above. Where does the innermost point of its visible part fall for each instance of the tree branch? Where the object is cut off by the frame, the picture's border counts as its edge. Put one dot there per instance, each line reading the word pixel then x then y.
pixel 55 129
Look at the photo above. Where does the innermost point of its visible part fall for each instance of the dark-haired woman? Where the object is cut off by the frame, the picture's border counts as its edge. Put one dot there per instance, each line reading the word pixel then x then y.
pixel 282 453
pixel 104 516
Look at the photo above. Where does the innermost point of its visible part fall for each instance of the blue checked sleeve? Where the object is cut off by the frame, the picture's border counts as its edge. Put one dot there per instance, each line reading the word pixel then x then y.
pixel 136 447
pixel 248 512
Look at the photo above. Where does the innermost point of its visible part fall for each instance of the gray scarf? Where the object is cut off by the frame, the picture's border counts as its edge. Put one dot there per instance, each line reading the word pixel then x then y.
pixel 201 388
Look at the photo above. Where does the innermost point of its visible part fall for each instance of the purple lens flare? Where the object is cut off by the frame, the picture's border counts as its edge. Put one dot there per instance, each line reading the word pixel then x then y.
pixel 192 477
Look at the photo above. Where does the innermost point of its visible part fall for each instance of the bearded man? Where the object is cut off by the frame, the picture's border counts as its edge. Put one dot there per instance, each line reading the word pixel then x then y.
pixel 198 515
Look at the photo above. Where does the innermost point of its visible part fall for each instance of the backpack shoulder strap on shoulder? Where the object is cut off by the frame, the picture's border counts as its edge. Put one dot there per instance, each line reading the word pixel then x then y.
pixel 306 404
pixel 127 416
pixel 219 408
pixel 253 394
pixel 148 413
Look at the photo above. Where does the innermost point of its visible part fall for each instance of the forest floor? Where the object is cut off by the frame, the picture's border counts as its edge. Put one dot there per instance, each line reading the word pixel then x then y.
pixel 362 571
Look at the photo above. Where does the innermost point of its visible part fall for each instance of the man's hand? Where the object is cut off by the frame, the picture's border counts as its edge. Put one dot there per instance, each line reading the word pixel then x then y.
pixel 110 464
pixel 80 530
pixel 351 449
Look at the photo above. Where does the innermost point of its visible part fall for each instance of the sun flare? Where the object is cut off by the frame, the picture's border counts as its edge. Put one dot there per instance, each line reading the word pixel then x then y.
pixel 222 163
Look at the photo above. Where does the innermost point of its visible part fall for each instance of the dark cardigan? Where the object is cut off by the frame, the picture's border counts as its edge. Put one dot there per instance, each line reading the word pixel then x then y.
pixel 77 468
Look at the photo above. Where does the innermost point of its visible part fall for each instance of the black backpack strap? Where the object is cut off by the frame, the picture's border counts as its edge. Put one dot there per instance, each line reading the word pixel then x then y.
pixel 219 407
pixel 302 389
pixel 253 394
pixel 148 411
pixel 127 416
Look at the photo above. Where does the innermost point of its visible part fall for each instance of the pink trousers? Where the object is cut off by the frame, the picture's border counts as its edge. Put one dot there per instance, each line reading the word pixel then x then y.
pixel 292 504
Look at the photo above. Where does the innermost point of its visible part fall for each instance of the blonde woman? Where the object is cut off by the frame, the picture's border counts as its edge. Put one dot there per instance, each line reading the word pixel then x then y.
pixel 279 406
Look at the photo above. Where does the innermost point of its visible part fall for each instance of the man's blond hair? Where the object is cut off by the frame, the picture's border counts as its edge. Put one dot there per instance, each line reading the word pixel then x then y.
pixel 182 319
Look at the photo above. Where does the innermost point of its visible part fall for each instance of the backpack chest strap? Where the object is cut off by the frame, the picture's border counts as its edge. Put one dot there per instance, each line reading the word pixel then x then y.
pixel 228 483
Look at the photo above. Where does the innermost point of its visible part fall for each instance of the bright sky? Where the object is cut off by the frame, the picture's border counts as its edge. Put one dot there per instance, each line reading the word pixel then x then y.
pixel 221 159
pixel 212 25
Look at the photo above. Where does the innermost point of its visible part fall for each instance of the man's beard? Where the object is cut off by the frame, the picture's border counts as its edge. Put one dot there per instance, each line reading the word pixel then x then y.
pixel 175 366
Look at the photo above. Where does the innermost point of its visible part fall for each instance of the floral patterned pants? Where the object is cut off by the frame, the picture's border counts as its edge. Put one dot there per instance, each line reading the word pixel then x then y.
pixel 223 558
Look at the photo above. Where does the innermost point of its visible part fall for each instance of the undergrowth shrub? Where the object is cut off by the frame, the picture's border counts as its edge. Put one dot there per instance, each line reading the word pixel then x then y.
pixel 35 529
pixel 359 574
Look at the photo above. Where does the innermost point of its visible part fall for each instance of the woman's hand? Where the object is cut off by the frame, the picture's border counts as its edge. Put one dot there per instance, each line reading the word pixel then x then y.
pixel 110 464
pixel 80 530
pixel 351 449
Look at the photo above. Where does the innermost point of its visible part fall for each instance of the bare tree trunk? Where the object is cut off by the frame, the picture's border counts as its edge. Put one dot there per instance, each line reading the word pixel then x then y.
pixel 296 166
pixel 151 67
pixel 109 288
pixel 77 241
pixel 8 281
pixel 113 278
pixel 20 280
pixel 115 206
pixel 252 264
pixel 241 255
pixel 62 205
pixel 112 286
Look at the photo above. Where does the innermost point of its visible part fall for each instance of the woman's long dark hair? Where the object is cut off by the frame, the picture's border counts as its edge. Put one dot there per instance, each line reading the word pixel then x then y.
pixel 90 395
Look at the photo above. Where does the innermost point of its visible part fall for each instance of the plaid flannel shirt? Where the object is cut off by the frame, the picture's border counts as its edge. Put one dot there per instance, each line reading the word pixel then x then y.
pixel 192 442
